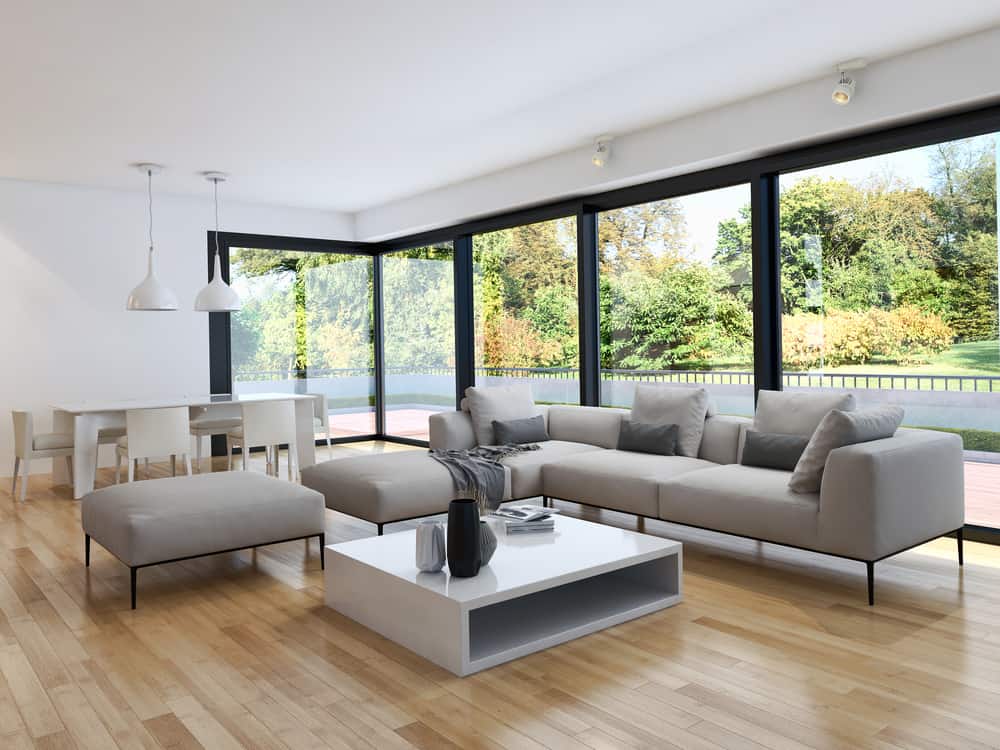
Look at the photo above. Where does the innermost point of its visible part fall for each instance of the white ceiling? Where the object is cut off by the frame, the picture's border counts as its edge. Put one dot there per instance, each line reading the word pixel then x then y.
pixel 347 105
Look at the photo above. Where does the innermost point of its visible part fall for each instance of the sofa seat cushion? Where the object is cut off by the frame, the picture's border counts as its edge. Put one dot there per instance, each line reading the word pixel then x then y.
pixel 148 522
pixel 745 500
pixel 526 468
pixel 621 480
pixel 385 487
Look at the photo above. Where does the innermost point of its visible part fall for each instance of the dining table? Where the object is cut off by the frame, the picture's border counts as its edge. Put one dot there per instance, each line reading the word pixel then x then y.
pixel 84 419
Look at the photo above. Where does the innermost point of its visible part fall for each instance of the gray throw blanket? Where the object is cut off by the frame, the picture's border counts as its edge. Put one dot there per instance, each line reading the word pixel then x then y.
pixel 478 472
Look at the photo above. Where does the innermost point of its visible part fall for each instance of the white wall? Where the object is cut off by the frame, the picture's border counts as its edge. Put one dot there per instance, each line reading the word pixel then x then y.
pixel 69 257
pixel 957 74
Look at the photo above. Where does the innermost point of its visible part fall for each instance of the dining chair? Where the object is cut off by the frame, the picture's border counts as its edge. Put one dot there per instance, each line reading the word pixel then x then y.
pixel 321 419
pixel 217 420
pixel 28 445
pixel 267 424
pixel 154 433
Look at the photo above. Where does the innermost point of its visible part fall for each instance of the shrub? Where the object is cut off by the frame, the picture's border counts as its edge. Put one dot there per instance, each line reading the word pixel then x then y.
pixel 905 335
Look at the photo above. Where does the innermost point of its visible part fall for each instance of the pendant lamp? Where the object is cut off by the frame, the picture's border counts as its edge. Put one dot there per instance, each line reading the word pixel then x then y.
pixel 151 294
pixel 218 296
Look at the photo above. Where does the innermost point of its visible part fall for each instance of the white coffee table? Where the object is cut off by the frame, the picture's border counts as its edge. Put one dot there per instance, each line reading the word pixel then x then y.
pixel 538 591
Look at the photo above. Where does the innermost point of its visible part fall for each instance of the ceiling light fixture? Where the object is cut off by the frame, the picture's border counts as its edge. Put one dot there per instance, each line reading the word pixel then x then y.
pixel 151 294
pixel 218 296
pixel 843 92
pixel 602 150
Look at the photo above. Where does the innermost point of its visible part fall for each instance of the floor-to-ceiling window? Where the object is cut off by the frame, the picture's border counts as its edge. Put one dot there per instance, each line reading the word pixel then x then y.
pixel 526 314
pixel 675 297
pixel 306 326
pixel 418 300
pixel 889 290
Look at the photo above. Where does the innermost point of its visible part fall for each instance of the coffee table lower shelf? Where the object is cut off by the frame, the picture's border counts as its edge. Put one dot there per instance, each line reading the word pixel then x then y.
pixel 466 637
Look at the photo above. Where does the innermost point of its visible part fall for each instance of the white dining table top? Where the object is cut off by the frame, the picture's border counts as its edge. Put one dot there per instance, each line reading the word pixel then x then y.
pixel 203 399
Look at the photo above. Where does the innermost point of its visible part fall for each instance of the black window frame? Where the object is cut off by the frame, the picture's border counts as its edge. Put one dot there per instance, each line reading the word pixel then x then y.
pixel 761 173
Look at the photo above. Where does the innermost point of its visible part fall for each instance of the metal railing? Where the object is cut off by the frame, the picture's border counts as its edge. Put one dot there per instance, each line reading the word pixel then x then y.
pixel 846 380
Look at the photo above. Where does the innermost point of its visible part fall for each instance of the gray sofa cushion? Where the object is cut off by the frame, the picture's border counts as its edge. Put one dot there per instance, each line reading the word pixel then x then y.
pixel 684 407
pixel 165 519
pixel 520 431
pixel 742 500
pixel 660 439
pixel 621 480
pixel 770 450
pixel 797 412
pixel 840 428
pixel 497 403
pixel 526 468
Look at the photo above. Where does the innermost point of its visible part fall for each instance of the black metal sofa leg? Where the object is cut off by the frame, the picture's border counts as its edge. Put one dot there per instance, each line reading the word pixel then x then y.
pixel 322 551
pixel 871 583
pixel 132 575
pixel 961 552
pixel 86 549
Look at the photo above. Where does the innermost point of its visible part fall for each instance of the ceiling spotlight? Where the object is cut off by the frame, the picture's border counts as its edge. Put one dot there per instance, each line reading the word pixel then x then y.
pixel 843 92
pixel 602 150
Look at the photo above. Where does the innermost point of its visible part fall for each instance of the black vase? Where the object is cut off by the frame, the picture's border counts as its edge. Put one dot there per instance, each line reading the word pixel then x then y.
pixel 465 554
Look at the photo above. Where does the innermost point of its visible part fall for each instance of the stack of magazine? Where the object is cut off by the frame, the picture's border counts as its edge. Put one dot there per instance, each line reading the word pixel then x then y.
pixel 526 519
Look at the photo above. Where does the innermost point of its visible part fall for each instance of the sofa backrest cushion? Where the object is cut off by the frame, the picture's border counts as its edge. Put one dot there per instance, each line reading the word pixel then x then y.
pixel 797 412
pixel 840 428
pixel 594 425
pixel 684 407
pixel 721 439
pixel 501 403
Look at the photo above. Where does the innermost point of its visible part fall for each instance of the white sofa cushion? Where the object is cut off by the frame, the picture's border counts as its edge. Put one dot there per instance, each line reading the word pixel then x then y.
pixel 526 468
pixel 622 480
pixel 797 412
pixel 744 500
pixel 596 425
pixel 840 428
pixel 499 403
pixel 684 407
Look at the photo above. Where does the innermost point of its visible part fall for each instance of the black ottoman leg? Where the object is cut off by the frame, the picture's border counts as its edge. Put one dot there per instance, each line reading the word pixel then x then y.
pixel 86 549
pixel 133 572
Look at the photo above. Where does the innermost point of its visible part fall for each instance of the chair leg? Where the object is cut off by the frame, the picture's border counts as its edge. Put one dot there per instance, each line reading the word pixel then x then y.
pixel 871 583
pixel 132 576
pixel 197 452
pixel 69 469
pixel 329 441
pixel 13 484
pixel 960 535
pixel 118 466
pixel 187 463
pixel 25 478
pixel 86 549
pixel 229 453
pixel 173 465
pixel 145 463
pixel 133 466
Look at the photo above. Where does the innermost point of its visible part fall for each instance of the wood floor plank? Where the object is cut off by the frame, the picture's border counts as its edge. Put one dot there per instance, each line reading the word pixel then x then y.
pixel 772 648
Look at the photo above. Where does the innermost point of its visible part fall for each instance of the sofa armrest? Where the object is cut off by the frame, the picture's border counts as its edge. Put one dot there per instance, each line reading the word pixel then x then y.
pixel 451 430
pixel 884 496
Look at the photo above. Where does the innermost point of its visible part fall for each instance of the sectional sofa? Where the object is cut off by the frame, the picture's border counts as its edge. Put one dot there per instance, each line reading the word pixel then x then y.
pixel 877 498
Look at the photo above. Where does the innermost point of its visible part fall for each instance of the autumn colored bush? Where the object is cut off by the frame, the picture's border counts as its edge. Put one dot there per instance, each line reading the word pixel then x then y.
pixel 905 335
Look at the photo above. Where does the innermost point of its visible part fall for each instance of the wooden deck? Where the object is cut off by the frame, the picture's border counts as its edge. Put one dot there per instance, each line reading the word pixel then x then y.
pixel 772 648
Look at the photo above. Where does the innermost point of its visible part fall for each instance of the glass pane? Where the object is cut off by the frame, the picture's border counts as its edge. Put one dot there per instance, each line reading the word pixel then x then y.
pixel 419 302
pixel 306 327
pixel 524 287
pixel 889 288
pixel 676 297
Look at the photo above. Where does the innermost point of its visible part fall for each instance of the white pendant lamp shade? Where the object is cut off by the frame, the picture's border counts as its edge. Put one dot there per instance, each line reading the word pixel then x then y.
pixel 218 296
pixel 151 294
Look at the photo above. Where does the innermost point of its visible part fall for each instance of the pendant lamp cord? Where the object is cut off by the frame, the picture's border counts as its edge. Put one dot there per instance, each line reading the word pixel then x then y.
pixel 215 184
pixel 149 174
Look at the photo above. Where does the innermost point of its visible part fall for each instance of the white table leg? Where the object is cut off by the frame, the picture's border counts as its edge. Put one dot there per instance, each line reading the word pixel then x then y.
pixel 61 422
pixel 305 439
pixel 85 429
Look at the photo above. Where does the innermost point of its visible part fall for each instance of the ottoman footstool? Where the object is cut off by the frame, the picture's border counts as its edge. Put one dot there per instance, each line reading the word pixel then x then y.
pixel 166 520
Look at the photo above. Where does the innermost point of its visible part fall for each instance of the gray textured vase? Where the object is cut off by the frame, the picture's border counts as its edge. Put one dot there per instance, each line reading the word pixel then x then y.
pixel 488 541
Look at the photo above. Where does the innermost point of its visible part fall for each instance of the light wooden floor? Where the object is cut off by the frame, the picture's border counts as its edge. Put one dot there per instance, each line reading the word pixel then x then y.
pixel 771 648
